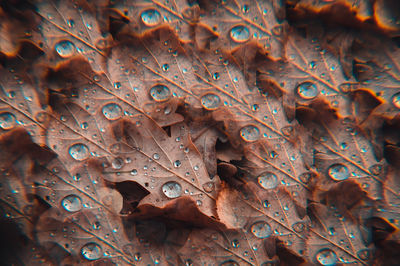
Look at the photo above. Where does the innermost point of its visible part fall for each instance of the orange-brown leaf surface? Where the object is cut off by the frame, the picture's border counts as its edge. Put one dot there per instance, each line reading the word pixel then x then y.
pixel 192 132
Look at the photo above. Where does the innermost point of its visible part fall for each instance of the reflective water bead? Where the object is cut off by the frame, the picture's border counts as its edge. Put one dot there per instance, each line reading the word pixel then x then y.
pixel 96 225
pixel 240 33
pixel 117 85
pixel 268 180
pixel 117 163
pixel 72 203
pixel 363 254
pixel 250 133
pixel 91 251
pixel 307 90
pixel 79 151
pixel 235 243
pixel 338 172
pixel 160 92
pixel 112 111
pixel 209 187
pixel 216 76
pixel 7 121
pixel 298 227
pixel 396 100
pixel 165 67
pixel 326 257
pixel 177 163
pixel 65 48
pixel 210 101
pixel 151 17
pixel 172 189
pixel 261 229
pixel 156 156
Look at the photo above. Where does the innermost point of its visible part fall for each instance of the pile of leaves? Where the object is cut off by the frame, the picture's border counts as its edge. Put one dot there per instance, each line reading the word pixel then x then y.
pixel 200 132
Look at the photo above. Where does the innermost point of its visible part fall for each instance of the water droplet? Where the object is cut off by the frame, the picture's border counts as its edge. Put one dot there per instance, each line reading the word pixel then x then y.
pixel 117 85
pixel 151 17
pixel 65 48
pixel 287 131
pixel 261 229
pixel 363 254
pixel 209 187
pixel 250 133
pixel 307 90
pixel 326 257
pixel 396 100
pixel 312 65
pixel 210 101
pixel 96 225
pixel 376 169
pixel 172 190
pixel 138 257
pixel 240 33
pixel 268 180
pixel 298 227
pixel 79 151
pixel 156 156
pixel 177 163
pixel 165 67
pixel 266 204
pixel 160 92
pixel 245 8
pixel 72 203
pixel 331 231
pixel 112 111
pixel 91 251
pixel 216 76
pixel 235 243
pixel 117 163
pixel 338 172
pixel 7 121
pixel 134 172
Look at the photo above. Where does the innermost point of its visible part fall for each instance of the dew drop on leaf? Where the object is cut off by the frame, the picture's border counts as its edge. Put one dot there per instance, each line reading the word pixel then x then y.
pixel 72 203
pixel 210 101
pixel 396 100
pixel 160 92
pixel 112 111
pixel 240 33
pixel 151 17
pixel 79 151
pixel 156 156
pixel 117 163
pixel 261 229
pixel 298 227
pixel 235 243
pixel 363 254
pixel 165 67
pixel 172 189
pixel 268 180
pixel 177 163
pixel 96 225
pixel 307 90
pixel 250 133
pixel 91 251
pixel 7 121
pixel 338 172
pixel 65 48
pixel 138 257
pixel 326 257
pixel 209 187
